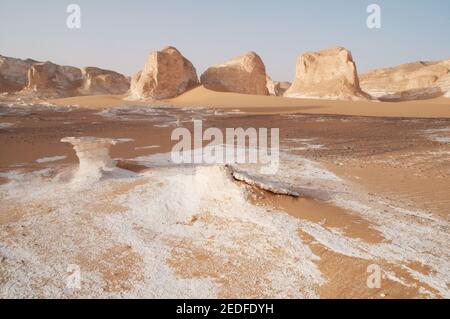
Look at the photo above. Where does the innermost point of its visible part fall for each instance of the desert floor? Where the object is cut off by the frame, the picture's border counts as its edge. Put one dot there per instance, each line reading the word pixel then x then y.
pixel 201 97
pixel 373 181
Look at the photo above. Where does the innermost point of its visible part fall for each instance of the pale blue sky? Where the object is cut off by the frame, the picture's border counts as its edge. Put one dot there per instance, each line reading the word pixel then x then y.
pixel 118 34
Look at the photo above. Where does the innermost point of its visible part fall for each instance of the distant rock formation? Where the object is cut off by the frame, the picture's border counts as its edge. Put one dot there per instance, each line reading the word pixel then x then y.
pixel 244 74
pixel 98 81
pixel 14 73
pixel 276 88
pixel 327 74
pixel 166 74
pixel 50 80
pixel 412 81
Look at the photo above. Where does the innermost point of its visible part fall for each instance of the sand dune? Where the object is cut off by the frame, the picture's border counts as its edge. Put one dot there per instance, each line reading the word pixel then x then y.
pixel 202 97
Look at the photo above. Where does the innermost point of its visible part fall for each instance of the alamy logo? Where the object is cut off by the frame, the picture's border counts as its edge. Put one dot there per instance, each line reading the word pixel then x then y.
pixel 73 20
pixel 374 19
pixel 229 149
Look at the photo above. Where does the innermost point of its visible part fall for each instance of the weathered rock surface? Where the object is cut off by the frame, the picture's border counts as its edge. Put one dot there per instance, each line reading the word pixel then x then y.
pixel 327 74
pixel 411 81
pixel 14 73
pixel 166 74
pixel 47 79
pixel 244 74
pixel 98 81
pixel 52 80
pixel 277 88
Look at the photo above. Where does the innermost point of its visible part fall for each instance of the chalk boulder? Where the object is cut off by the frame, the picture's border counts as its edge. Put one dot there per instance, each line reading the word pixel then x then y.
pixel 98 81
pixel 244 74
pixel 166 74
pixel 327 74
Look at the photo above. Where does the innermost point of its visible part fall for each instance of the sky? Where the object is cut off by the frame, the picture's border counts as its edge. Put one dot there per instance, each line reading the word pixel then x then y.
pixel 119 34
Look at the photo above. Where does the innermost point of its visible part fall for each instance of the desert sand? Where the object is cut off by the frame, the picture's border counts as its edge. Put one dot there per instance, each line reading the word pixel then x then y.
pixel 373 190
pixel 201 97
pixel 88 185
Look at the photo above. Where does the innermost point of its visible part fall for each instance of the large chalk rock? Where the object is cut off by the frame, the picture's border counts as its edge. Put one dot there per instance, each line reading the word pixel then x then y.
pixel 52 80
pixel 98 81
pixel 244 74
pixel 166 74
pixel 327 74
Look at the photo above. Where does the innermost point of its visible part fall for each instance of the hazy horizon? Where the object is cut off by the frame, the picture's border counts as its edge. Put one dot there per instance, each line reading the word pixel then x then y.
pixel 118 35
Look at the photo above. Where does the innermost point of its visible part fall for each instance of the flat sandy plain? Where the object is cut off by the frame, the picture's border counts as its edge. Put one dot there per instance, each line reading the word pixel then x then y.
pixel 373 179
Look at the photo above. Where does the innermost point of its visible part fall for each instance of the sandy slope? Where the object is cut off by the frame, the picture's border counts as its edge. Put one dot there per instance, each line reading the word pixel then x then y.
pixel 201 97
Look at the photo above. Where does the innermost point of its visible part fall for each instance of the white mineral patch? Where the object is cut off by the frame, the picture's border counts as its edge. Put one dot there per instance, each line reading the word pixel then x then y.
pixel 147 147
pixel 6 125
pixel 157 220
pixel 51 159
pixel 303 144
pixel 166 215
pixel 439 135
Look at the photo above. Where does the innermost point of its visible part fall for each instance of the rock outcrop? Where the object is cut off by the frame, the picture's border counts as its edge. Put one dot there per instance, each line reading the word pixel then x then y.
pixel 14 73
pixel 244 74
pixel 166 74
pixel 412 81
pixel 47 79
pixel 276 88
pixel 52 80
pixel 98 81
pixel 327 74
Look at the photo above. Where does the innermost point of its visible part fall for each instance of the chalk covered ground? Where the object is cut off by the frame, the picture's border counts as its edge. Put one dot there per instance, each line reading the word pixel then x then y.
pixel 372 192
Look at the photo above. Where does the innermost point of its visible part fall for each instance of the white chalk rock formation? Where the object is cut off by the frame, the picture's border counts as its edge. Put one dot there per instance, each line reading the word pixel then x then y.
pixel 166 74
pixel 276 88
pixel 52 80
pixel 328 74
pixel 95 160
pixel 46 79
pixel 412 81
pixel 98 81
pixel 14 73
pixel 244 74
pixel 260 182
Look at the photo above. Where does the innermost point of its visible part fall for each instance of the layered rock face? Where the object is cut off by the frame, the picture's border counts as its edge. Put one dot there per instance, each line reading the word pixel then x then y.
pixel 327 74
pixel 166 74
pixel 276 88
pixel 244 74
pixel 99 81
pixel 418 80
pixel 14 73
